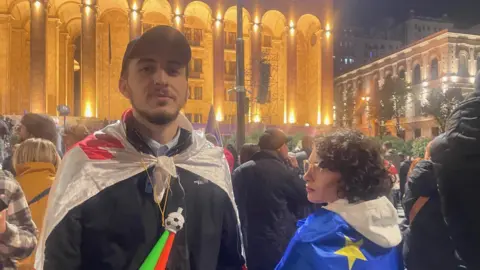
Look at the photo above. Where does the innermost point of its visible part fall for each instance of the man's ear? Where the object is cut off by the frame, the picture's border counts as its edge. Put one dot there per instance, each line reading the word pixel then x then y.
pixel 123 87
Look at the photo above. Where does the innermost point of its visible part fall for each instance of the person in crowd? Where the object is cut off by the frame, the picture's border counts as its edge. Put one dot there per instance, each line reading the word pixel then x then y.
pixel 74 134
pixel 393 172
pixel 18 234
pixel 228 156
pixel 391 154
pixel 33 125
pixel 247 152
pixel 403 172
pixel 457 159
pixel 357 229
pixel 122 188
pixel 427 244
pixel 305 152
pixel 269 197
pixel 36 162
pixel 234 152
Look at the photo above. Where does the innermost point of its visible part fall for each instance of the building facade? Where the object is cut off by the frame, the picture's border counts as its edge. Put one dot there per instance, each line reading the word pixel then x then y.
pixel 70 52
pixel 447 60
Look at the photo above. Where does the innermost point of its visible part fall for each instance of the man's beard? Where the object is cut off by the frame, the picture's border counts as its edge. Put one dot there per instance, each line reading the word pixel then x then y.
pixel 160 119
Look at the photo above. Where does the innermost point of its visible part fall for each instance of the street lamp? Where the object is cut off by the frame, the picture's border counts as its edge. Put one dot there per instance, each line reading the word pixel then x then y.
pixel 240 87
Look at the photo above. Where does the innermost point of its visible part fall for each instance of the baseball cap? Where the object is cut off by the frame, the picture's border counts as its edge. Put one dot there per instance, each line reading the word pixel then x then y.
pixel 273 139
pixel 162 39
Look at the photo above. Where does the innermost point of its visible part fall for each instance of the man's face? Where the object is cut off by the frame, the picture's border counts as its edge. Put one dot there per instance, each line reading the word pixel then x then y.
pixel 156 87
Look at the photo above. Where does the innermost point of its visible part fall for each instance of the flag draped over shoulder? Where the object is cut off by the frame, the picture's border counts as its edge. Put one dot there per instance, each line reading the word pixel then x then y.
pixel 212 127
pixel 107 158
pixel 326 241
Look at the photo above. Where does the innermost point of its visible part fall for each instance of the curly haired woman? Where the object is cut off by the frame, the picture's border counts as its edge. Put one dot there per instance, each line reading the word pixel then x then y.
pixel 358 228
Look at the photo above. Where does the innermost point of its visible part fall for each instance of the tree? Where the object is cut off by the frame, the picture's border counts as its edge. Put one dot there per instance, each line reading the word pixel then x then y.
pixel 419 146
pixel 440 105
pixel 392 103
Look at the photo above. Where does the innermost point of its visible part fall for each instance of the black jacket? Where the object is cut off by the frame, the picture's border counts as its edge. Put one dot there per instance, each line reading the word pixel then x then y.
pixel 459 160
pixel 118 227
pixel 427 244
pixel 270 198
pixel 403 173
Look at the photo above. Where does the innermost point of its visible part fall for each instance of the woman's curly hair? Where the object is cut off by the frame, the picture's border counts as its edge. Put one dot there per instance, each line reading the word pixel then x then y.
pixel 359 161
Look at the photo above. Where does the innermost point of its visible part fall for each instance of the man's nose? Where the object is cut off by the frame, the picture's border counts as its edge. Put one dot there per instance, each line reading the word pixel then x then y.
pixel 160 76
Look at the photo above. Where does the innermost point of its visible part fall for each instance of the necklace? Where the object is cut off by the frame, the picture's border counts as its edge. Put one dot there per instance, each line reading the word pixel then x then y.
pixel 157 200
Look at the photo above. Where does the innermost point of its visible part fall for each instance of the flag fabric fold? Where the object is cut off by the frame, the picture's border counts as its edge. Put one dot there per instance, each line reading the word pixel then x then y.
pixel 326 241
pixel 212 127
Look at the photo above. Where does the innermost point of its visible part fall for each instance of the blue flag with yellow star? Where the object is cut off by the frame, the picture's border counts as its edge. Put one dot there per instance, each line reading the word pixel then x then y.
pixel 325 241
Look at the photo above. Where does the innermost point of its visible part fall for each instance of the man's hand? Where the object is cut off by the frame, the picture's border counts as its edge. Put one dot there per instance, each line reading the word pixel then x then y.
pixel 293 161
pixel 3 221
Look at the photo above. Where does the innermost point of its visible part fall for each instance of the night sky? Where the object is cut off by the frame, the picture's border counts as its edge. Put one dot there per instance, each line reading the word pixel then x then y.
pixel 368 12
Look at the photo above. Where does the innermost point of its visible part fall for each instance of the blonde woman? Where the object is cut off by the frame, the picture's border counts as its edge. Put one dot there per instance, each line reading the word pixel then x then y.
pixel 36 162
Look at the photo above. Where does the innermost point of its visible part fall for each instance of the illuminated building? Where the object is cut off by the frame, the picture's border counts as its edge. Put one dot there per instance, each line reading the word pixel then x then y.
pixel 43 41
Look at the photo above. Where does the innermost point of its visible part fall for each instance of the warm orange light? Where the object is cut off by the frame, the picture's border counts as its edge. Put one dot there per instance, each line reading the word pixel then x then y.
pixel 256 118
pixel 328 30
pixel 219 16
pixel 88 109
pixel 307 124
pixel 177 11
pixel 291 118
pixel 219 116
pixel 88 2
pixel 319 117
pixel 37 4
pixel 134 7
pixel 256 20
pixel 326 121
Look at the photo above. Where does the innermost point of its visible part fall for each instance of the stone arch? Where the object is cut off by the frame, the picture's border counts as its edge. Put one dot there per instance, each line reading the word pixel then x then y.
pixel 463 64
pixel 276 22
pixel 156 12
pixel 308 65
pixel 113 36
pixel 20 11
pixel 69 13
pixel 231 16
pixel 107 6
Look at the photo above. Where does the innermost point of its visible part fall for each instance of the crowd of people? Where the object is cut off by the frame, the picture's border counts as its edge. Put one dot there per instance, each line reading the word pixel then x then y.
pixel 105 200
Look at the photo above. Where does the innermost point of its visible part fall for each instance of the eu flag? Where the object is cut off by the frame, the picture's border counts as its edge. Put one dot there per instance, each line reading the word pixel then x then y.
pixel 212 127
pixel 326 241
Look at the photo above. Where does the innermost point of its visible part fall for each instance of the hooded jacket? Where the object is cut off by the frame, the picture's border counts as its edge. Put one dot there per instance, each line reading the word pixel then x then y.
pixel 457 154
pixel 103 212
pixel 362 236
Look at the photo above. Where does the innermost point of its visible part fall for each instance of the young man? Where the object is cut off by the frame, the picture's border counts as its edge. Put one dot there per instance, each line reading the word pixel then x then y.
pixel 110 202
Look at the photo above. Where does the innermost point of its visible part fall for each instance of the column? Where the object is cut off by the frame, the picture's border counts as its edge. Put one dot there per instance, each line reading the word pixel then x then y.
pixel 88 59
pixel 38 58
pixel 320 68
pixel 218 69
pixel 53 68
pixel 257 81
pixel 291 76
pixel 135 19
pixel 5 33
pixel 70 96
pixel 327 76
pixel 63 68
pixel 178 18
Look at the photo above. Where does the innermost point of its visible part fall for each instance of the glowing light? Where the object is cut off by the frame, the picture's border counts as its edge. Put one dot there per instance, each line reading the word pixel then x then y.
pixel 177 11
pixel 291 118
pixel 134 7
pixel 37 4
pixel 472 80
pixel 367 98
pixel 444 79
pixel 219 116
pixel 88 2
pixel 256 20
pixel 425 84
pixel 256 118
pixel 454 79
pixel 178 19
pixel 326 121
pixel 255 27
pixel 292 24
pixel 328 30
pixel 307 124
pixel 134 14
pixel 219 16
pixel 88 109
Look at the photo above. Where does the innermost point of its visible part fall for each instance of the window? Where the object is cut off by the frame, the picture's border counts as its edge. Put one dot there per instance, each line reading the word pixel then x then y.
pixel 196 93
pixel 195 68
pixel 194 36
pixel 434 69
pixel 401 74
pixel 435 131
pixel 230 93
pixel 230 40
pixel 230 70
pixel 230 119
pixel 197 118
pixel 417 75
pixel 463 66
pixel 267 41
pixel 189 116
pixel 418 133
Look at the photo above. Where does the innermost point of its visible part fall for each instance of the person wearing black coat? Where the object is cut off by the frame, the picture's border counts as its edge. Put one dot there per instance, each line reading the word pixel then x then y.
pixel 270 198
pixel 458 183
pixel 427 244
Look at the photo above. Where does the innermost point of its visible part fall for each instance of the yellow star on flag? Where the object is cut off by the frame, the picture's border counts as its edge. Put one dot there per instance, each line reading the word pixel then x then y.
pixel 352 251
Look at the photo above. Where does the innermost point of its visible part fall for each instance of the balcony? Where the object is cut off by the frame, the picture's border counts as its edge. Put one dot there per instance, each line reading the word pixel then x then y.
pixel 230 77
pixel 195 43
pixel 195 74
pixel 230 46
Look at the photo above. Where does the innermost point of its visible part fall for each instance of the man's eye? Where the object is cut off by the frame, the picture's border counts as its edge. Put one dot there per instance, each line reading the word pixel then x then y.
pixel 147 69
pixel 173 72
